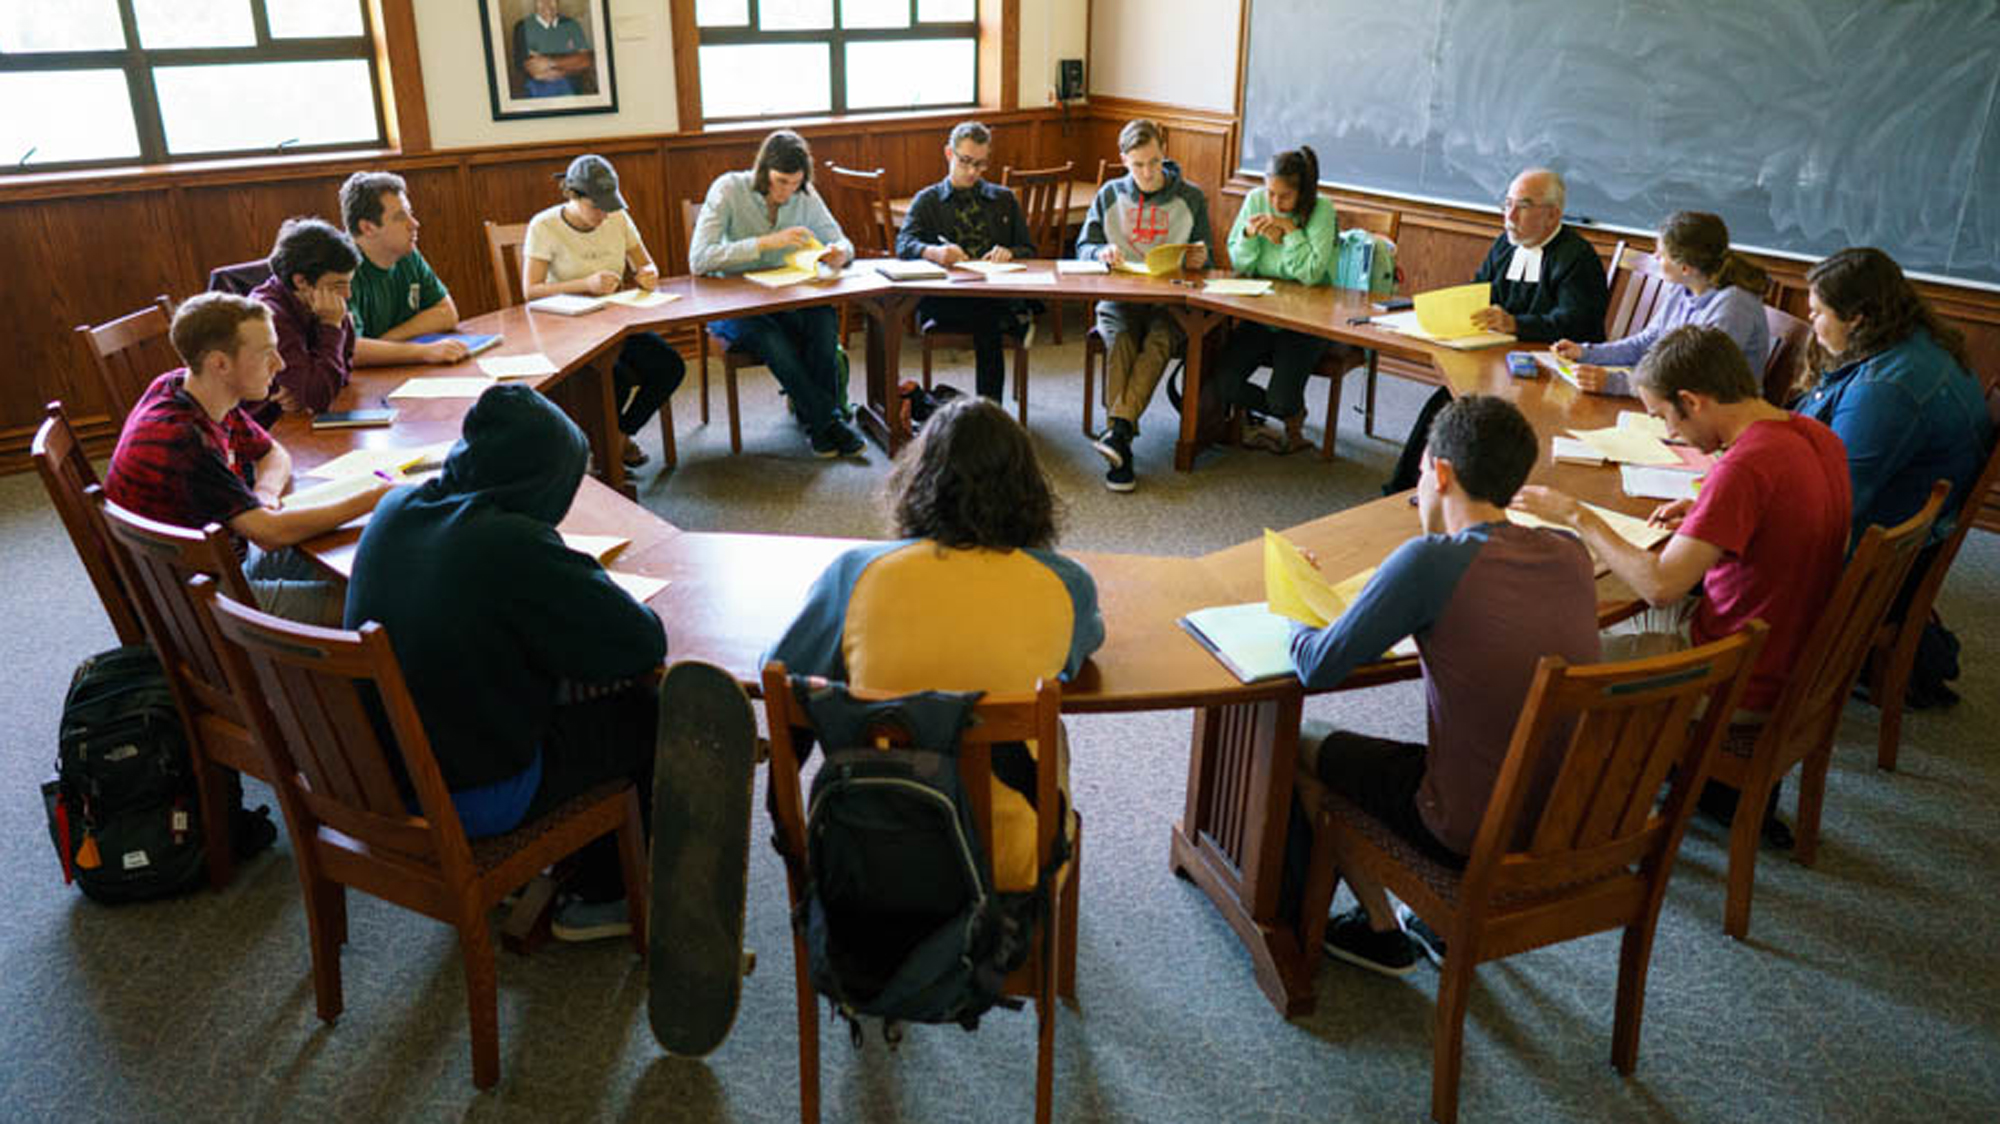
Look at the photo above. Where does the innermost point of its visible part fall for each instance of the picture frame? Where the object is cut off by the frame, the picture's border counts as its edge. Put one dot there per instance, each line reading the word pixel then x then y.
pixel 548 58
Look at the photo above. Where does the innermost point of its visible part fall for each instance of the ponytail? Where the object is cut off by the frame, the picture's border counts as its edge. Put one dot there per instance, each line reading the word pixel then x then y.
pixel 1742 273
pixel 1301 166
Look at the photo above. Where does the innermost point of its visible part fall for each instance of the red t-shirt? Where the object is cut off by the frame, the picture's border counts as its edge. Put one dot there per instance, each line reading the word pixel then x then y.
pixel 177 465
pixel 1778 506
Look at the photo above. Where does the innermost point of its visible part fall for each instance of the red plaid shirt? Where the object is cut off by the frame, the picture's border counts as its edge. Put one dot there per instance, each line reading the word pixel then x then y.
pixel 177 465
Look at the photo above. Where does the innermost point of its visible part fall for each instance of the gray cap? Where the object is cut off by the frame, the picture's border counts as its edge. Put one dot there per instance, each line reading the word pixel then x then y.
pixel 592 177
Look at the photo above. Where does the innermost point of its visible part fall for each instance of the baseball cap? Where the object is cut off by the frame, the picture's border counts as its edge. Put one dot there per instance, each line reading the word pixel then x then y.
pixel 592 177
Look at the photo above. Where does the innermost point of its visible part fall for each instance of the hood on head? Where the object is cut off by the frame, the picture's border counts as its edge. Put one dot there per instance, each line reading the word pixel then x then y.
pixel 518 451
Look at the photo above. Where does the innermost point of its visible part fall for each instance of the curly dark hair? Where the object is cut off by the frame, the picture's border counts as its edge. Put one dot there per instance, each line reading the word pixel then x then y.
pixel 1863 281
pixel 311 248
pixel 971 480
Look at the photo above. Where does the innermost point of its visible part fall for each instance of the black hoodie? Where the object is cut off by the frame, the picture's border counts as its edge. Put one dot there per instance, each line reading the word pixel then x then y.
pixel 486 608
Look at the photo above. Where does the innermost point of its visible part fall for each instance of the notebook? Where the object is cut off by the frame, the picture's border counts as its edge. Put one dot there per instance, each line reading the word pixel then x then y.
pixel 896 270
pixel 353 419
pixel 475 342
pixel 1253 642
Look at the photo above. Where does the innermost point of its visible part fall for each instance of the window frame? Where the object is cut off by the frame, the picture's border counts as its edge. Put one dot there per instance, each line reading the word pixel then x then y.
pixel 138 64
pixel 836 38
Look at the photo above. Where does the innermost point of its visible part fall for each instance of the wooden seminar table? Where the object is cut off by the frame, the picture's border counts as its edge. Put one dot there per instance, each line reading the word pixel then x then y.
pixel 730 595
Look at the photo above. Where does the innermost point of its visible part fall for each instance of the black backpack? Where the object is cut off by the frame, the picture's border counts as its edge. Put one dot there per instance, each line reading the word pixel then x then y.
pixel 122 807
pixel 900 918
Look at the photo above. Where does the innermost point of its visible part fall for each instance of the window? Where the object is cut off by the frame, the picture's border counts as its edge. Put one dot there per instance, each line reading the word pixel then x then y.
pixel 152 81
pixel 788 58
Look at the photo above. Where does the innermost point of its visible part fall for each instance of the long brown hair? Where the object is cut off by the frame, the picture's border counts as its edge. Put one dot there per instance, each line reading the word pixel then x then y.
pixel 971 480
pixel 1863 281
pixel 1700 241
pixel 786 153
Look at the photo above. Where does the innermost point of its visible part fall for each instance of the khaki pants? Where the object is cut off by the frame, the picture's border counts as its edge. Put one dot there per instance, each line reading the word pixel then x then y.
pixel 1659 632
pixel 1139 339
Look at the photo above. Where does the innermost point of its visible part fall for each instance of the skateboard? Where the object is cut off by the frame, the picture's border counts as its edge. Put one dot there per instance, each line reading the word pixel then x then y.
pixel 704 761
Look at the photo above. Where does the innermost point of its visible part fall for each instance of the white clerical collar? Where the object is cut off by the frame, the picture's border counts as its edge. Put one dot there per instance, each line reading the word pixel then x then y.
pixel 1526 265
pixel 548 24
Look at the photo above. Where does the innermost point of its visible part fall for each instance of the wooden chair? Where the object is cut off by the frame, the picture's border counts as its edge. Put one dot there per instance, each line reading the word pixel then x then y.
pixel 1894 653
pixel 503 256
pixel 129 353
pixel 860 203
pixel 1337 362
pixel 1598 854
pixel 1789 336
pixel 156 561
pixel 734 359
pixel 1050 970
pixel 350 822
pixel 1801 728
pixel 1040 191
pixel 73 490
pixel 1638 291
pixel 1045 203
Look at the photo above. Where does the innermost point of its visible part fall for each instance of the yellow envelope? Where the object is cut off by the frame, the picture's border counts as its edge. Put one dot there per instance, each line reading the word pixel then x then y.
pixel 1627 446
pixel 1447 313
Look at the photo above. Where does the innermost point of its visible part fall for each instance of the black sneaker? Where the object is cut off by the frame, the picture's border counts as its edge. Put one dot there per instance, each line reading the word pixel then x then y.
pixel 836 439
pixel 1349 938
pixel 1424 937
pixel 1115 444
pixel 1121 478
pixel 251 831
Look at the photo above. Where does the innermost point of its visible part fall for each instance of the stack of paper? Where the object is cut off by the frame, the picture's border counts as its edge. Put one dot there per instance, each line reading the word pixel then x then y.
pixel 1569 450
pixel 641 298
pixel 1406 323
pixel 1643 423
pixel 1627 446
pixel 443 386
pixel 1072 266
pixel 989 268
pixel 600 547
pixel 399 461
pixel 528 366
pixel 1658 483
pixel 641 587
pixel 1237 286
pixel 567 304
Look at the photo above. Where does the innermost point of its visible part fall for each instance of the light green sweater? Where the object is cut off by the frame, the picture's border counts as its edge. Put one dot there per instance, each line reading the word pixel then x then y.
pixel 1306 255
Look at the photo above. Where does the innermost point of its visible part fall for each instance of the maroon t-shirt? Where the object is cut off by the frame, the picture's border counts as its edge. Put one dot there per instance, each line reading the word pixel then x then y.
pixel 1778 505
pixel 177 465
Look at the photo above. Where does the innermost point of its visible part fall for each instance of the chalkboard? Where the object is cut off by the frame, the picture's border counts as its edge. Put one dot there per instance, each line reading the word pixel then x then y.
pixel 1808 125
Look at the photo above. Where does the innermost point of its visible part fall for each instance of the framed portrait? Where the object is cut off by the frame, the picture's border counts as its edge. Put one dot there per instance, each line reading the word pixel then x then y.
pixel 548 58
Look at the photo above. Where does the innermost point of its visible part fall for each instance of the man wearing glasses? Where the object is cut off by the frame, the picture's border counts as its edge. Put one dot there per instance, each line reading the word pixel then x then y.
pixel 1547 283
pixel 964 218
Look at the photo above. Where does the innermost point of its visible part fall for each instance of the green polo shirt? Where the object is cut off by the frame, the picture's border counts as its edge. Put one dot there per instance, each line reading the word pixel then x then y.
pixel 384 298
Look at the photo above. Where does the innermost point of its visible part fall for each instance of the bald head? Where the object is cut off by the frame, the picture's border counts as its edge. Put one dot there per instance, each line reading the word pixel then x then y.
pixel 1534 206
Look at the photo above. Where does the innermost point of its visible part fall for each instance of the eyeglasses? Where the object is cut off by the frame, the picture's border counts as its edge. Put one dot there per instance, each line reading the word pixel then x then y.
pixel 973 163
pixel 1510 205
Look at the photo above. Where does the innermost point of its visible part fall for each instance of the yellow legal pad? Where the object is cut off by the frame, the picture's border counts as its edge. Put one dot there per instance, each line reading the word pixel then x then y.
pixel 801 264
pixel 1160 259
pixel 1293 588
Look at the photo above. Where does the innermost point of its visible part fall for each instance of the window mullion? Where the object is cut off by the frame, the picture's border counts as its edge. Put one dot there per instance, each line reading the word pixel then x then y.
pixel 139 84
pixel 260 23
pixel 837 68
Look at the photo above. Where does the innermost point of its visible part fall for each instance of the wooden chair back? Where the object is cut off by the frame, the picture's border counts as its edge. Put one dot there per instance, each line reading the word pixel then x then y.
pixel 1017 718
pixel 156 561
pixel 1801 727
pixel 129 353
pixel 690 214
pixel 1789 336
pixel 73 490
pixel 506 266
pixel 335 769
pixel 860 203
pixel 1597 853
pixel 1045 201
pixel 1388 224
pixel 1109 169
pixel 1638 291
pixel 1895 651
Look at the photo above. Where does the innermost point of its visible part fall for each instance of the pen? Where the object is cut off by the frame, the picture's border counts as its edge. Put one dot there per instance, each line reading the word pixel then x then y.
pixel 385 476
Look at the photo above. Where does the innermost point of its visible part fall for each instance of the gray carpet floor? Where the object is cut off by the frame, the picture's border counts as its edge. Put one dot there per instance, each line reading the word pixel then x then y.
pixel 1867 992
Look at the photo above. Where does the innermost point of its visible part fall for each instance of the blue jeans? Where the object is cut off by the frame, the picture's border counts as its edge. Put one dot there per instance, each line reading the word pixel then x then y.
pixel 800 348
